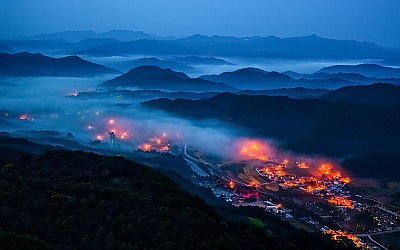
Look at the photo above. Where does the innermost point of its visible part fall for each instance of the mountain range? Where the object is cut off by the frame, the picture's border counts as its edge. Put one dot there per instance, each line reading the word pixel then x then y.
pixel 310 47
pixel 370 70
pixel 257 79
pixel 122 42
pixel 146 61
pixel 327 77
pixel 153 77
pixel 75 36
pixel 29 64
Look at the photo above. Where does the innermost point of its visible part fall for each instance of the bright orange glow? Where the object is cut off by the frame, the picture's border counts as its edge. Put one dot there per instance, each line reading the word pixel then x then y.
pixel 231 184
pixel 325 169
pixel 165 148
pixel 123 135
pixel 345 180
pixel 335 236
pixel 254 149
pixel 341 201
pixel 146 147
pixel 99 137
pixel 303 165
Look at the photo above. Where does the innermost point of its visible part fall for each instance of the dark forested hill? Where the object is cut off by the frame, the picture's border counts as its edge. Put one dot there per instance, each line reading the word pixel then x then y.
pixel 378 93
pixel 304 125
pixel 29 64
pixel 77 200
pixel 298 92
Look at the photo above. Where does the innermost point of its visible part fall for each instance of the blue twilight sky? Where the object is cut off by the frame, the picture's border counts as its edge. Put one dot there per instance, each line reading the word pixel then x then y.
pixel 367 20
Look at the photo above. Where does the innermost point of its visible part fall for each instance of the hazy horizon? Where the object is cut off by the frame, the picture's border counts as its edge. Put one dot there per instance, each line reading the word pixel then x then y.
pixel 368 20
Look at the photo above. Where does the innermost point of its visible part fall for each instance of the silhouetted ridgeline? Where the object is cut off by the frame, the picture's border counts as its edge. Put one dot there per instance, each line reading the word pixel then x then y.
pixel 28 64
pixel 77 200
pixel 309 126
pixel 153 77
pixel 375 165
pixel 378 93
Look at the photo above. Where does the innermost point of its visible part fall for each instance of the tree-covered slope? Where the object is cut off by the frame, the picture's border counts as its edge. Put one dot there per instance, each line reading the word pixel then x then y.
pixel 77 200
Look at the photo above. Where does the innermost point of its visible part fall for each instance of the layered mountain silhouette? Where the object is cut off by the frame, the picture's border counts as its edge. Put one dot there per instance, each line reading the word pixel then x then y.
pixel 28 64
pixel 153 77
pixel 152 61
pixel 139 47
pixel 370 70
pixel 257 79
pixel 75 36
pixel 198 60
pixel 139 43
pixel 308 47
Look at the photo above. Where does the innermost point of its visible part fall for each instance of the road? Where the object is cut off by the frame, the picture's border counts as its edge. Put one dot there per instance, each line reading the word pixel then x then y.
pixel 190 160
pixel 378 233
pixel 377 243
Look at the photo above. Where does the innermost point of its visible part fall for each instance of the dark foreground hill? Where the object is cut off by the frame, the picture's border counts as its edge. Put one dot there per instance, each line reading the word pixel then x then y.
pixel 378 93
pixel 309 126
pixel 28 64
pixel 77 200
pixel 298 92
pixel 153 77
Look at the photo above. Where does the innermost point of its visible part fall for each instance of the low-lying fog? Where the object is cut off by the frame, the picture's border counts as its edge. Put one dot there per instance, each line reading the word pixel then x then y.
pixel 45 103
pixel 279 65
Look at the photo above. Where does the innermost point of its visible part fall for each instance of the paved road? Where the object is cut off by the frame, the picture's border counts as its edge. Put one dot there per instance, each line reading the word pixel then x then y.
pixel 377 243
pixel 378 233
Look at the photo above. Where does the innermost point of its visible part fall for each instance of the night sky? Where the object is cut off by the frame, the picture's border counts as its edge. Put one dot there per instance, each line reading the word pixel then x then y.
pixel 365 20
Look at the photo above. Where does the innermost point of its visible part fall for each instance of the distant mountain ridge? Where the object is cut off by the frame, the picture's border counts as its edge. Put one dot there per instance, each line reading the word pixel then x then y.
pixel 370 70
pixel 75 36
pixel 29 64
pixel 307 47
pixel 153 77
pixel 197 60
pixel 257 79
pixel 152 61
